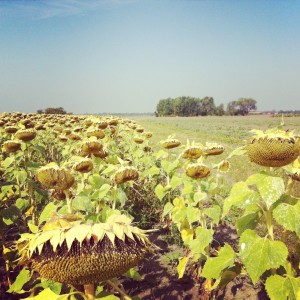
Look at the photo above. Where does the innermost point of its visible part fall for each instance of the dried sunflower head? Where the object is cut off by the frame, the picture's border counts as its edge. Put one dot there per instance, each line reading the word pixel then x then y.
pixel 148 134
pixel 84 166
pixel 147 149
pixel 98 133
pixel 52 176
pixel 170 143
pixel 139 129
pixel 213 149
pixel 75 137
pixel 101 153
pixel 125 174
pixel 11 129
pixel 70 251
pixel 25 135
pixel 138 140
pixel 102 124
pixel 193 152
pixel 62 138
pixel 11 146
pixel 224 166
pixel 274 148
pixel 91 146
pixel 197 170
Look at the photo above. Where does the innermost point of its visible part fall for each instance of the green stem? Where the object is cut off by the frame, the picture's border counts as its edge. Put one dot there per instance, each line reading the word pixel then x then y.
pixel 269 219
pixel 69 201
pixel 121 291
pixel 289 186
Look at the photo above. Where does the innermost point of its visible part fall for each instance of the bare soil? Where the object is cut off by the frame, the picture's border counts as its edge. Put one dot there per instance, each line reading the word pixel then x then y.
pixel 160 279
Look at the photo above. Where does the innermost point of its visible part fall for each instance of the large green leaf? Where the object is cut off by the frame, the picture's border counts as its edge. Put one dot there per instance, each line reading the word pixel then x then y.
pixel 270 187
pixel 47 212
pixel 287 215
pixel 49 295
pixel 240 196
pixel 203 238
pixel 22 278
pixel 82 202
pixel 20 176
pixel 160 191
pixel 213 213
pixel 167 208
pixel 261 254
pixel 282 288
pixel 215 265
pixel 248 221
pixel 192 214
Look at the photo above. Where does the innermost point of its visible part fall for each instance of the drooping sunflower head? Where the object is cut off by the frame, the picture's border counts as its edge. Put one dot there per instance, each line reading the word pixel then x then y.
pixel 90 146
pixel 223 166
pixel 213 149
pixel 125 174
pixel 85 165
pixel 102 124
pixel 147 134
pixel 98 133
pixel 11 129
pixel 52 176
pixel 197 170
pixel 101 153
pixel 11 146
pixel 273 148
pixel 170 143
pixel 138 140
pixel 70 251
pixel 139 129
pixel 25 135
pixel 193 152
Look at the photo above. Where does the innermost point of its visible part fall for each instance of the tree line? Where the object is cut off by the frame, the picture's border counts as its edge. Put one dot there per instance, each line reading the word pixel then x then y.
pixel 190 106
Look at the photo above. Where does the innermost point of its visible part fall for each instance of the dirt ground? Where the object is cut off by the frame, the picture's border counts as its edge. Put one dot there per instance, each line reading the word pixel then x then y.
pixel 160 278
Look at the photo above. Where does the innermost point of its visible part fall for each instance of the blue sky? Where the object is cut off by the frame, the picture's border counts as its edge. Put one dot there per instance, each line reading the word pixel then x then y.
pixel 123 56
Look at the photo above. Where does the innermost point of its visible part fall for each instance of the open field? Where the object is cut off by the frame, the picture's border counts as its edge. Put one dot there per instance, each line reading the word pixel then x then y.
pixel 229 131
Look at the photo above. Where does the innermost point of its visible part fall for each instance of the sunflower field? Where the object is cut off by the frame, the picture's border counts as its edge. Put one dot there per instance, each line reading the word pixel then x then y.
pixel 81 196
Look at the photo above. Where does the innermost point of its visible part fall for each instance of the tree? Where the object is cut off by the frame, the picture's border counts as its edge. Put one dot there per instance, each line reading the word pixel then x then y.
pixel 242 106
pixel 52 110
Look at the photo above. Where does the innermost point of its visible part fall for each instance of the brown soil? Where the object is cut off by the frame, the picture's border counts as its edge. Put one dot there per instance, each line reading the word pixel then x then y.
pixel 160 279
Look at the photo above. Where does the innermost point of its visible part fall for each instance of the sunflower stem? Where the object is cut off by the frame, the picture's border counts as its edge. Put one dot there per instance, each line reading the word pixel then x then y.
pixel 89 291
pixel 69 201
pixel 118 289
pixel 289 186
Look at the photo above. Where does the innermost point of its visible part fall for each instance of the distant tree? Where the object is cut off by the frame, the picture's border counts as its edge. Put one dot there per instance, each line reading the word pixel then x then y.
pixel 186 106
pixel 219 111
pixel 242 106
pixel 52 110
pixel 165 107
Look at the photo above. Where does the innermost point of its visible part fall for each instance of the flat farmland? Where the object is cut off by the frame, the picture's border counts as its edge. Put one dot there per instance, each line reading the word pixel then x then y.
pixel 229 131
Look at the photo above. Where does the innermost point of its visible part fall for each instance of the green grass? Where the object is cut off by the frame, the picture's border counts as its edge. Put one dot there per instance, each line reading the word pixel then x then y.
pixel 229 131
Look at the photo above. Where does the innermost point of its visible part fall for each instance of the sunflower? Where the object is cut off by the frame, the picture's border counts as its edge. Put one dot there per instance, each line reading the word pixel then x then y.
pixel 170 143
pixel 68 250
pixel 53 177
pixel 25 135
pixel 274 148
pixel 125 174
pixel 197 170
